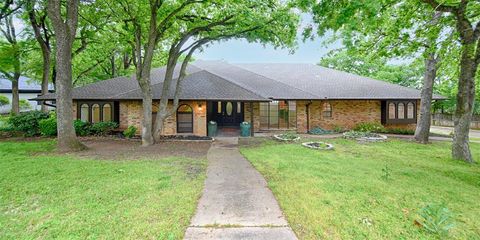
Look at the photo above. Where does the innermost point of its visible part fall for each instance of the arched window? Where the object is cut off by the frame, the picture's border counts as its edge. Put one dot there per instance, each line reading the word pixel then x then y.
pixel 410 110
pixel 327 110
pixel 95 113
pixel 84 112
pixel 401 111
pixel 184 119
pixel 107 112
pixel 391 110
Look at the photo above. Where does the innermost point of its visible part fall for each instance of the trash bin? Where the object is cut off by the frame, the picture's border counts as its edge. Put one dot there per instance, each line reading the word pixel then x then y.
pixel 245 129
pixel 212 129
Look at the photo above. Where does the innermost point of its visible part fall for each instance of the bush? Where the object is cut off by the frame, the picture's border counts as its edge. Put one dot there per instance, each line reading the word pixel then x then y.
pixel 339 129
pixel 24 105
pixel 28 122
pixel 319 131
pixel 81 128
pixel 400 131
pixel 369 127
pixel 130 131
pixel 48 127
pixel 4 101
pixel 103 128
pixel 358 134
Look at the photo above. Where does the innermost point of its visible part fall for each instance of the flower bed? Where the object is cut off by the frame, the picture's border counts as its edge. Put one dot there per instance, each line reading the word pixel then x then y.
pixel 286 137
pixel 365 136
pixel 318 145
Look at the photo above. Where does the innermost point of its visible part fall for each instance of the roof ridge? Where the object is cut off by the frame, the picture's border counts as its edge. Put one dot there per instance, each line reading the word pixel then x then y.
pixel 235 83
pixel 288 85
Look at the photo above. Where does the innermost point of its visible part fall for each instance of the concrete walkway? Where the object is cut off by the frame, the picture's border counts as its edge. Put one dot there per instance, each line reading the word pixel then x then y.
pixel 236 202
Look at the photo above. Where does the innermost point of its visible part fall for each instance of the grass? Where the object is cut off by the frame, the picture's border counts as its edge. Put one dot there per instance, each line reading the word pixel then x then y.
pixel 346 193
pixel 45 196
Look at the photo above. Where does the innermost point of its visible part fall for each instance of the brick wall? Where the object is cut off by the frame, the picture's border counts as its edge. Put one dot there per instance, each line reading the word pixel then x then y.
pixel 256 115
pixel 131 115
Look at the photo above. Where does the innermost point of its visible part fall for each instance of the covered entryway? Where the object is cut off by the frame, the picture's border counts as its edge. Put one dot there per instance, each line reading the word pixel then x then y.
pixel 226 113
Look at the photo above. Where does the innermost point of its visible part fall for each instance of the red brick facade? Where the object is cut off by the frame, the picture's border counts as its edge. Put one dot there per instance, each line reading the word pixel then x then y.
pixel 345 114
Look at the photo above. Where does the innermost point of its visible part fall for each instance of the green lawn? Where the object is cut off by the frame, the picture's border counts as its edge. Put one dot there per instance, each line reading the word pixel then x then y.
pixel 45 196
pixel 333 194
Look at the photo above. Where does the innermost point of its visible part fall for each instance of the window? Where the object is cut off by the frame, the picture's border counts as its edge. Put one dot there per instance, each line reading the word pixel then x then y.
pixel 219 107
pixel 410 110
pixel 95 113
pixel 107 112
pixel 278 115
pixel 185 119
pixel 391 111
pixel 229 108
pixel 399 112
pixel 239 107
pixel 84 113
pixel 327 110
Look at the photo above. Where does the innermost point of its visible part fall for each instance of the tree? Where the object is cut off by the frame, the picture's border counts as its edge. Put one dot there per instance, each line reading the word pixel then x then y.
pixel 37 16
pixel 464 13
pixel 254 21
pixel 10 58
pixel 65 30
pixel 9 7
pixel 390 29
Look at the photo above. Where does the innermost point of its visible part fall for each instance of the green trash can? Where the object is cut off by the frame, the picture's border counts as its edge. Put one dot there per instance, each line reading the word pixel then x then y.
pixel 245 129
pixel 212 129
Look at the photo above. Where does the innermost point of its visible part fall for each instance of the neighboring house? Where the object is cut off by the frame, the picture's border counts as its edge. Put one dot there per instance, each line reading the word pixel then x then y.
pixel 27 90
pixel 276 96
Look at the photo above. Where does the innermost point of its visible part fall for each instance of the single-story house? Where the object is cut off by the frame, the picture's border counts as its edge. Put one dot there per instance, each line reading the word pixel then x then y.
pixel 274 96
pixel 27 89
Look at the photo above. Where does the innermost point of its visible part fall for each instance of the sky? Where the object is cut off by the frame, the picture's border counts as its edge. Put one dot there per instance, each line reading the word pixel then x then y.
pixel 241 51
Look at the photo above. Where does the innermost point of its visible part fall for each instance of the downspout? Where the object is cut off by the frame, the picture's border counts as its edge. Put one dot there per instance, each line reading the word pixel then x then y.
pixel 251 119
pixel 307 107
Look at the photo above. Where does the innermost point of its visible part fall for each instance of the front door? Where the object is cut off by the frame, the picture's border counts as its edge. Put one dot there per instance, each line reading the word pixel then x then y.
pixel 228 113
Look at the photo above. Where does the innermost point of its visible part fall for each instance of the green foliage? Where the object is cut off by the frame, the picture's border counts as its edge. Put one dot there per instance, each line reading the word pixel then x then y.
pixel 436 219
pixel 319 131
pixel 4 101
pixel 357 134
pixel 400 131
pixel 48 127
pixel 369 127
pixel 81 128
pixel 28 122
pixel 386 173
pixel 339 129
pixel 130 132
pixel 24 105
pixel 103 128
pixel 289 136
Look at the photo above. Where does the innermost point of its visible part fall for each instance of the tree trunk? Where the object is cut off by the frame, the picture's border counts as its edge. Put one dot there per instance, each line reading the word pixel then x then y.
pixel 422 131
pixel 65 35
pixel 45 76
pixel 15 97
pixel 465 101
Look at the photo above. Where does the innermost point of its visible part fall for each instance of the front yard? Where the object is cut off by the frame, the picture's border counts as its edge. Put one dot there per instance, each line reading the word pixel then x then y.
pixel 369 191
pixel 45 196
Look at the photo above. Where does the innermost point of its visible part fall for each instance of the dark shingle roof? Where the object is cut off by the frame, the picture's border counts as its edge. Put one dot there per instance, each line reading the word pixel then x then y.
pixel 218 80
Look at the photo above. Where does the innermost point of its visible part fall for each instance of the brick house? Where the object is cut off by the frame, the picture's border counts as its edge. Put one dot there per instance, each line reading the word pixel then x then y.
pixel 282 97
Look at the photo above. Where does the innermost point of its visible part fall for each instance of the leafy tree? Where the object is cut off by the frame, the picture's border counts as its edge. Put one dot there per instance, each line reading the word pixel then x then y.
pixel 467 25
pixel 4 101
pixel 65 26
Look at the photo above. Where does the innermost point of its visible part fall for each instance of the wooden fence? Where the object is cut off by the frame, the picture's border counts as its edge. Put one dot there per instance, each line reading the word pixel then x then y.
pixel 443 119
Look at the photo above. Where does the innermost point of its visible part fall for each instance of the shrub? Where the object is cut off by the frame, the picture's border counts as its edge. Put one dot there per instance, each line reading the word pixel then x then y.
pixel 369 127
pixel 358 134
pixel 48 127
pixel 4 101
pixel 103 128
pixel 339 129
pixel 436 219
pixel 28 122
pixel 81 128
pixel 130 131
pixel 319 131
pixel 24 105
pixel 400 131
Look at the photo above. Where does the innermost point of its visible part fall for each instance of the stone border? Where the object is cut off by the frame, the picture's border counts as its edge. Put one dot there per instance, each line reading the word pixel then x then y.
pixel 277 137
pixel 307 144
pixel 380 138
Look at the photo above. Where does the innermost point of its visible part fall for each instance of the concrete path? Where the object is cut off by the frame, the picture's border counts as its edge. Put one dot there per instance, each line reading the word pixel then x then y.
pixel 236 202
